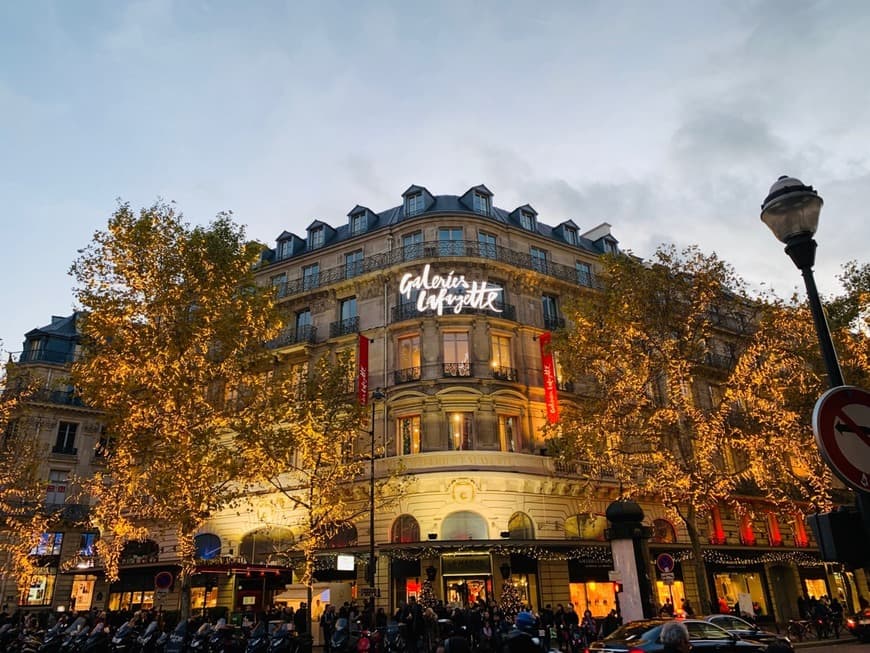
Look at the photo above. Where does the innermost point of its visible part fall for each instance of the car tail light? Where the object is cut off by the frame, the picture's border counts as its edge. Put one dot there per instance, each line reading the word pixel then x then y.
pixel 635 650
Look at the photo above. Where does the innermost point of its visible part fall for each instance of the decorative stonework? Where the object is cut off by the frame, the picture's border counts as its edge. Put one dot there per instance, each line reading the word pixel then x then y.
pixel 463 490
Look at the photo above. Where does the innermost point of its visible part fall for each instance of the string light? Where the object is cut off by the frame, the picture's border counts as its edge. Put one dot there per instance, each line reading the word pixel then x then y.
pixel 587 554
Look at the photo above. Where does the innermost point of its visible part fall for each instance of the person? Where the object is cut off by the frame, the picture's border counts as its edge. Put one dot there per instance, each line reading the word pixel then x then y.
pixel 667 610
pixel 521 639
pixel 675 637
pixel 589 627
pixel 611 623
pixel 327 623
pixel 300 619
pixel 412 616
pixel 723 605
pixel 688 611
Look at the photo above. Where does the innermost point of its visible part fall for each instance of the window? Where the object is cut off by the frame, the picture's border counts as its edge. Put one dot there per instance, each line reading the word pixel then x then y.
pixel 311 276
pixel 509 433
pixel 456 361
pixel 405 530
pixel 207 545
pixel 409 359
pixel 663 532
pixel 358 223
pixel 717 531
pixel 747 532
pixel 88 544
pixel 571 235
pixel 278 281
pixel 459 429
pixel 585 527
pixel 774 536
pixel 500 359
pixel 315 238
pixel 353 264
pixel 55 491
pixel 584 273
pixel 550 307
pixel 348 308
pixel 486 244
pixel 464 525
pixel 283 249
pixel 527 220
pixel 480 203
pixel 409 435
pixel 304 330
pixel 66 438
pixel 49 545
pixel 450 241
pixel 414 204
pixel 412 245
pixel 539 259
pixel 520 527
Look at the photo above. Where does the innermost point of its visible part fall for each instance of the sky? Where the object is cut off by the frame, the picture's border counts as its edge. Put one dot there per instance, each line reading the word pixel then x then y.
pixel 669 120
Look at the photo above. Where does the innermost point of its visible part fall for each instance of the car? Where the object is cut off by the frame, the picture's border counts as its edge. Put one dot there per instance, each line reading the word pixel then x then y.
pixel 859 625
pixel 747 630
pixel 643 637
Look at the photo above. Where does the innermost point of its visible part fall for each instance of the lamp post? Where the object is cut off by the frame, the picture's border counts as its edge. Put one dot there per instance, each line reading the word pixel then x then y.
pixel 791 210
pixel 377 395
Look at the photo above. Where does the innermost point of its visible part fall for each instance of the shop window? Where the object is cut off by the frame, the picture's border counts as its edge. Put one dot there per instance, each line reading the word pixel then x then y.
pixel 208 546
pixel 41 589
pixel 456 360
pixel 459 431
pixel 199 600
pixel 509 433
pixel 409 435
pixel 599 597
pixel 266 545
pixel 746 588
pixel 585 527
pixel 464 525
pixel 520 527
pixel 405 530
pixel 663 531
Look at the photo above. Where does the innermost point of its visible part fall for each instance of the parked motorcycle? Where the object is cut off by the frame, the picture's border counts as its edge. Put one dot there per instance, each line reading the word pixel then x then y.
pixel 283 640
pixel 345 637
pixel 125 638
pixel 394 639
pixel 258 640
pixel 176 641
pixel 147 641
pixel 97 641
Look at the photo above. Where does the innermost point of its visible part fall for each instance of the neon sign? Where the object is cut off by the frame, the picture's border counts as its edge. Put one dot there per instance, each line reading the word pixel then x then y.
pixel 451 291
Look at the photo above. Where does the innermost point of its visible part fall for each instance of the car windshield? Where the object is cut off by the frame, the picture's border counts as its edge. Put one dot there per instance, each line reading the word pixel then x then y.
pixel 635 631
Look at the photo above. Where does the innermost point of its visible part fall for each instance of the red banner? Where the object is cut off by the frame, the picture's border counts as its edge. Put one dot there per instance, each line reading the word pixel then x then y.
pixel 551 392
pixel 362 375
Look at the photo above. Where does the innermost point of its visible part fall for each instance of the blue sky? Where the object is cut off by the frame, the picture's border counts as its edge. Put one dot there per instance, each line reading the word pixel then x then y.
pixel 669 120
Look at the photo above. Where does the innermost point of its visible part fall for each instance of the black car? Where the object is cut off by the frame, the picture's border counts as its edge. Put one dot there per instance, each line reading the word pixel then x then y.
pixel 859 625
pixel 746 630
pixel 643 636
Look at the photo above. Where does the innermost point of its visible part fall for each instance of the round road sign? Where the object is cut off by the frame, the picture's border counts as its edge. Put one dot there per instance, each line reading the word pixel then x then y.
pixel 665 563
pixel 841 424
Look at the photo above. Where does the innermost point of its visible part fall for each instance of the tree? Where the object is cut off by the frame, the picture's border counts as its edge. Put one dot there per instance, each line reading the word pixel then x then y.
pixel 23 519
pixel 313 457
pixel 173 341
pixel 659 350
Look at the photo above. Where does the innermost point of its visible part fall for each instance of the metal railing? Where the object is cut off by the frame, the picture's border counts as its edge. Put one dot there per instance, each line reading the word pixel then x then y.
pixel 408 311
pixel 504 373
pixel 553 322
pixel 344 327
pixel 305 333
pixel 435 250
pixel 407 375
pixel 457 369
pixel 45 356
pixel 62 397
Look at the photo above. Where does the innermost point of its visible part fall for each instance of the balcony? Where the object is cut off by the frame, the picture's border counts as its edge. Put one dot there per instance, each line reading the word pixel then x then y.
pixel 64 451
pixel 304 334
pixel 406 375
pixel 435 250
pixel 61 397
pixel 344 327
pixel 553 322
pixel 46 356
pixel 408 311
pixel 504 373
pixel 457 369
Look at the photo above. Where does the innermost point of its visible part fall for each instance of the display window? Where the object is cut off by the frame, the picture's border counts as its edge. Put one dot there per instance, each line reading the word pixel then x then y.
pixel 745 588
pixel 599 597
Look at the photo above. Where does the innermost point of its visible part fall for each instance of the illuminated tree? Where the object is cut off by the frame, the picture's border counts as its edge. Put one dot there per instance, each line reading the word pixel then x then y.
pixel 23 518
pixel 173 338
pixel 670 391
pixel 314 456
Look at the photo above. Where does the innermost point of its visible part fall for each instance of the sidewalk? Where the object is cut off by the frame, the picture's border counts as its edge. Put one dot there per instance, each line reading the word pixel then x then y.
pixel 845 638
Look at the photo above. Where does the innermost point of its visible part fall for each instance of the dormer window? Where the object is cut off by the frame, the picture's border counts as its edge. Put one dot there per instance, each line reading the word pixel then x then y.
pixel 480 203
pixel 358 223
pixel 315 238
pixel 527 220
pixel 283 250
pixel 414 204
pixel 570 235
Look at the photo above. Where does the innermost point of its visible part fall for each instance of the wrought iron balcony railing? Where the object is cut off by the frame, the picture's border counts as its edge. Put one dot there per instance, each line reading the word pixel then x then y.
pixel 504 373
pixel 553 322
pixel 303 334
pixel 344 327
pixel 434 250
pixel 46 356
pixel 407 375
pixel 62 397
pixel 457 369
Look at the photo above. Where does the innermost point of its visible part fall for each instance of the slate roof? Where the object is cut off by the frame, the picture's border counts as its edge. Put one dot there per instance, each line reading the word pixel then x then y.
pixel 63 327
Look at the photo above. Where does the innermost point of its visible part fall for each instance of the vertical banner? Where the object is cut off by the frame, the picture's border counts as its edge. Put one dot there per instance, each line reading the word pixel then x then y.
pixel 362 376
pixel 551 396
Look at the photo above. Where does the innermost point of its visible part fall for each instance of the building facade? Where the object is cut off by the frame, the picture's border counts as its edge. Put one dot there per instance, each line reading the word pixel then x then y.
pixel 448 303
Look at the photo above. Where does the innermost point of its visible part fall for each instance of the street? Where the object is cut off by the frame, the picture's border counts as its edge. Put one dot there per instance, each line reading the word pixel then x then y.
pixel 852 646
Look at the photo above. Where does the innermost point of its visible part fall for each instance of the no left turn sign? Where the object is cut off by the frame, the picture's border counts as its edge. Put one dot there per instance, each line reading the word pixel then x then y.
pixel 841 424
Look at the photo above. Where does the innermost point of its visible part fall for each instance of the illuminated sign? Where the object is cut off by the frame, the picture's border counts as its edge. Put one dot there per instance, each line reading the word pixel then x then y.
pixel 436 292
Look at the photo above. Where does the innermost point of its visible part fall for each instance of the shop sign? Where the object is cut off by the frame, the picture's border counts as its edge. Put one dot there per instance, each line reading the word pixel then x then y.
pixel 551 393
pixel 451 292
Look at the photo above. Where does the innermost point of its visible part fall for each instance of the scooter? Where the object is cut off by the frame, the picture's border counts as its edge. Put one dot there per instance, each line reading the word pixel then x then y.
pixel 177 639
pixel 125 638
pixel 283 640
pixel 147 641
pixel 258 640
pixel 97 640
pixel 56 636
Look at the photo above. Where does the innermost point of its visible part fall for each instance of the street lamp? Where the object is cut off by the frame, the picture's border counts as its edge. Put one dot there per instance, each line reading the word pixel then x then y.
pixel 791 210
pixel 377 395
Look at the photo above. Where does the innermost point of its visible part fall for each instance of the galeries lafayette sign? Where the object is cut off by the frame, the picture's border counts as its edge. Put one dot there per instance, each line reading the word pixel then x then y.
pixel 436 292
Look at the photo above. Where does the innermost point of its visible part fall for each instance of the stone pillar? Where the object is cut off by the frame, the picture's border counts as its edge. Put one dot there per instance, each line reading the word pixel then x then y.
pixel 628 541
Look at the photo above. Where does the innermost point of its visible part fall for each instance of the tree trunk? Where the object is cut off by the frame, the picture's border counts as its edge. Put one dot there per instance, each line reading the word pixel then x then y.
pixel 704 595
pixel 185 595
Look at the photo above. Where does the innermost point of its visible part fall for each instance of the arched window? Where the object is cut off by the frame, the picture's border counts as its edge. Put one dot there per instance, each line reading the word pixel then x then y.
pixel 208 546
pixel 266 545
pixel 346 536
pixel 139 551
pixel 464 525
pixel 585 527
pixel 663 531
pixel 405 530
pixel 521 527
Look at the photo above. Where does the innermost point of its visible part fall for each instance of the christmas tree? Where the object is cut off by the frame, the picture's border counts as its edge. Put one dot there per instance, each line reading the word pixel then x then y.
pixel 427 595
pixel 510 603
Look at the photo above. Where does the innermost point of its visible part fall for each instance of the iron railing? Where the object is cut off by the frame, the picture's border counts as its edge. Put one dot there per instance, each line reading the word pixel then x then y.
pixel 344 327
pixel 435 250
pixel 407 375
pixel 504 373
pixel 305 333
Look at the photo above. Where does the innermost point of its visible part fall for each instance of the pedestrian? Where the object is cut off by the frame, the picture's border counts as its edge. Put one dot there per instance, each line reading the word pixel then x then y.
pixel 688 611
pixel 300 619
pixel 327 623
pixel 675 637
